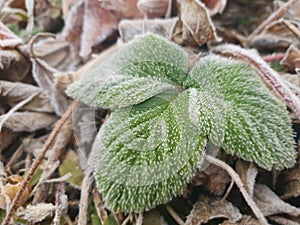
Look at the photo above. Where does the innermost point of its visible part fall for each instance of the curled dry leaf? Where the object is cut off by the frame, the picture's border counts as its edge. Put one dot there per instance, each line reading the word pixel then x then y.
pixel 206 209
pixel 98 24
pixel 13 92
pixel 45 76
pixel 292 59
pixel 245 220
pixel 163 27
pixel 195 27
pixel 248 173
pixel 37 213
pixel 8 38
pixel 215 6
pixel 270 204
pixel 216 180
pixel 10 189
pixel 13 64
pixel 154 8
pixel 29 121
pixel 283 221
pixel 291 185
pixel 55 52
pixel 7 137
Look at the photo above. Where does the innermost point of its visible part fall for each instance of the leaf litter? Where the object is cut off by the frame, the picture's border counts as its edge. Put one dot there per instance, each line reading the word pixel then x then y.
pixel 32 98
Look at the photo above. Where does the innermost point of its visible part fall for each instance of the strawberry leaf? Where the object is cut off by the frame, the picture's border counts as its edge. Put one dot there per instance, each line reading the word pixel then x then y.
pixel 147 153
pixel 133 73
pixel 258 128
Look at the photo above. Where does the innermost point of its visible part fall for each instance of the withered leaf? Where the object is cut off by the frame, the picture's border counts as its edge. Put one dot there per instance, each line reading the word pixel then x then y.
pixel 216 180
pixel 269 203
pixel 123 9
pixel 292 58
pixel 7 137
pixel 8 38
pixel 195 27
pixel 55 52
pixel 29 121
pixel 248 173
pixel 14 92
pixel 45 77
pixel 206 209
pixel 154 8
pixel 283 221
pixel 98 24
pixel 292 183
pixel 215 6
pixel 164 27
pixel 13 65
pixel 245 220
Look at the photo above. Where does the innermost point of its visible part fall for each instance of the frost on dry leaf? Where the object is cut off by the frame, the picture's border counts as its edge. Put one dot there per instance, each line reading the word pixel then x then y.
pixel 151 145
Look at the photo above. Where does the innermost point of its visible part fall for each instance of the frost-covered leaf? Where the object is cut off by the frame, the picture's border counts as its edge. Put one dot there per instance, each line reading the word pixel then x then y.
pixel 147 153
pixel 257 126
pixel 37 213
pixel 133 73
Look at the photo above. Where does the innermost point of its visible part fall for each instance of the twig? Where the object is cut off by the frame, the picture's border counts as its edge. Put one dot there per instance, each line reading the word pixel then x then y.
pixel 99 205
pixel 275 15
pixel 292 28
pixel 59 203
pixel 235 177
pixel 228 191
pixel 174 215
pixel 36 163
pixel 86 186
pixel 264 70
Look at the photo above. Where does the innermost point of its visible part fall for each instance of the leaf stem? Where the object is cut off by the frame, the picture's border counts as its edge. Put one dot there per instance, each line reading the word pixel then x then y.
pixel 235 177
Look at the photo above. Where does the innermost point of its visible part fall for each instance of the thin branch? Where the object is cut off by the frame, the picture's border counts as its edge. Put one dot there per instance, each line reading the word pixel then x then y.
pixel 265 71
pixel 274 57
pixel 36 163
pixel 274 16
pixel 174 215
pixel 292 28
pixel 235 177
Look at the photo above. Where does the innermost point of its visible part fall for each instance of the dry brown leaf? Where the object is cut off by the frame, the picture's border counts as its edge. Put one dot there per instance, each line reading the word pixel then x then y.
pixel 164 27
pixel 8 38
pixel 45 77
pixel 245 220
pixel 13 92
pixel 13 65
pixel 269 203
pixel 217 180
pixel 73 28
pixel 93 24
pixel 154 8
pixel 55 52
pixel 291 185
pixel 10 189
pixel 123 9
pixel 248 173
pixel 7 137
pixel 283 221
pixel 29 121
pixel 206 209
pixel 292 58
pixel 215 6
pixel 195 27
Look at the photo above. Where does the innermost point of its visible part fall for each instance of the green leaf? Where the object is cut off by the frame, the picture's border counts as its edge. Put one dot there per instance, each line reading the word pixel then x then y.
pixel 257 127
pixel 132 74
pixel 147 153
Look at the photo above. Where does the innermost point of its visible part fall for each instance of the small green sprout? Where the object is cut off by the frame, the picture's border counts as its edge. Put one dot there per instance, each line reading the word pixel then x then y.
pixel 163 116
